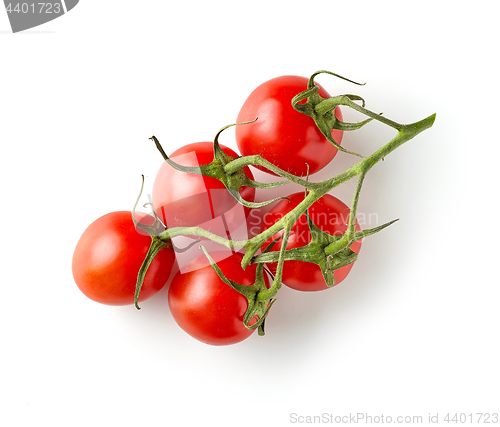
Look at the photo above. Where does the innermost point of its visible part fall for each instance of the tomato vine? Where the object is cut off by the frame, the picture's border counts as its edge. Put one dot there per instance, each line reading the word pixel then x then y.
pixel 329 252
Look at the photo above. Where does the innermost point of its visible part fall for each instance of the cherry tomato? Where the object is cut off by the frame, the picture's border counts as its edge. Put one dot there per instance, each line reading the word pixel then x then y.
pixel 184 199
pixel 207 308
pixel 108 257
pixel 330 215
pixel 282 135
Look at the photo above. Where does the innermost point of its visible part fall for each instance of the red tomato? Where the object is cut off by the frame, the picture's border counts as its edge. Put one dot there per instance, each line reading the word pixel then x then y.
pixel 281 134
pixel 108 257
pixel 184 199
pixel 330 215
pixel 207 308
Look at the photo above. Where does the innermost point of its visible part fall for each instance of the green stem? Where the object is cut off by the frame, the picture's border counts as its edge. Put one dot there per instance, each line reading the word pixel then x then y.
pixel 405 133
pixel 291 217
pixel 257 160
pixel 265 185
pixel 200 232
pixel 351 228
pixel 198 170
pixel 327 104
pixel 267 294
pixel 310 83
pixel 156 246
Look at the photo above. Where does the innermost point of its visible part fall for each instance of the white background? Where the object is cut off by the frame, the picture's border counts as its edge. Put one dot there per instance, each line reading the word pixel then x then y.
pixel 414 328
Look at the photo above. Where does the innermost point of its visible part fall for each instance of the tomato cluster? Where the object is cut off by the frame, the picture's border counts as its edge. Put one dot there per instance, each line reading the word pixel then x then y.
pixel 308 240
pixel 110 252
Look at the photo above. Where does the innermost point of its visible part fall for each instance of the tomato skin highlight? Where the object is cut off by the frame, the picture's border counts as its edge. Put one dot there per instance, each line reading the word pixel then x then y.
pixel 108 257
pixel 207 308
pixel 330 215
pixel 282 135
pixel 183 199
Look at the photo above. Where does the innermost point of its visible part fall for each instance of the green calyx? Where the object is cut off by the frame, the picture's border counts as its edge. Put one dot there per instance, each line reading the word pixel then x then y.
pixel 322 110
pixel 154 230
pixel 233 180
pixel 156 246
pixel 257 310
pixel 329 252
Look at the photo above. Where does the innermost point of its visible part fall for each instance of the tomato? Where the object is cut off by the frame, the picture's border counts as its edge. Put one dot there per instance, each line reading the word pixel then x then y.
pixel 108 257
pixel 185 199
pixel 282 135
pixel 207 308
pixel 330 215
